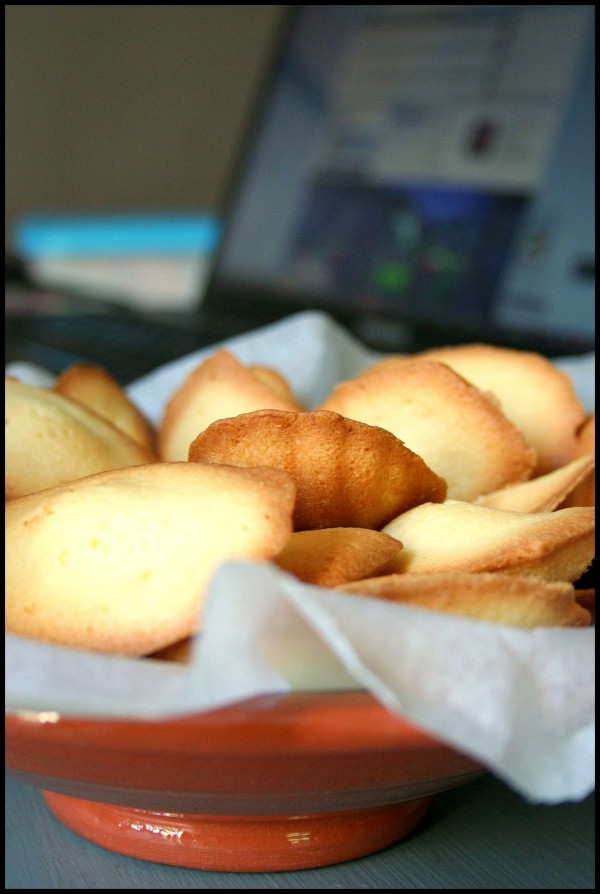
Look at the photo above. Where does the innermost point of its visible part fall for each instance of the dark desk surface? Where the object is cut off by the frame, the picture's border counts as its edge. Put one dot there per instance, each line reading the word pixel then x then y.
pixel 482 835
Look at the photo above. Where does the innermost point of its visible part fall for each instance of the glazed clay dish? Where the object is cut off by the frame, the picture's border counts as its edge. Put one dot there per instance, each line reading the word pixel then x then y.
pixel 273 783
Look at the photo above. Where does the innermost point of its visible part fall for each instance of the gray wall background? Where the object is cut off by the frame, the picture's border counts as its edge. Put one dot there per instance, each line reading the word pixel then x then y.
pixel 121 108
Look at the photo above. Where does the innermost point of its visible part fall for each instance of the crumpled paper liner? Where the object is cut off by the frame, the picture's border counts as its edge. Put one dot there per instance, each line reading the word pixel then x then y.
pixel 520 702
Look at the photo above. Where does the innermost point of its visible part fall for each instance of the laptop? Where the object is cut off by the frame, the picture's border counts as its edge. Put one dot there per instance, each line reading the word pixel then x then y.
pixel 424 174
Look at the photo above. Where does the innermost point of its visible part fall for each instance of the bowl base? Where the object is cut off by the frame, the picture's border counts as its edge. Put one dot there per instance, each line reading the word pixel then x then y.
pixel 239 843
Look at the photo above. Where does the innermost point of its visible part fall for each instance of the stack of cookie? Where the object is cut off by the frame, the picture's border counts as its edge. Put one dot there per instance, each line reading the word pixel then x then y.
pixel 458 480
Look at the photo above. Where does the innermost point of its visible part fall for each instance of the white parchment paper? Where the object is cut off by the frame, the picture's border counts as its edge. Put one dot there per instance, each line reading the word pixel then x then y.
pixel 521 702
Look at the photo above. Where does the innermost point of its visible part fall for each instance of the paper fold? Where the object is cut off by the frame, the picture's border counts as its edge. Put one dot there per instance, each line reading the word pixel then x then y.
pixel 518 700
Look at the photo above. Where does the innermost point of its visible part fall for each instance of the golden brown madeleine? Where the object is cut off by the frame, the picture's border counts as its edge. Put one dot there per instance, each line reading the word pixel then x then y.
pixel 460 432
pixel 51 439
pixel 95 387
pixel 330 556
pixel 347 474
pixel 119 562
pixel 497 598
pixel 219 387
pixel 458 536
pixel 537 397
pixel 546 492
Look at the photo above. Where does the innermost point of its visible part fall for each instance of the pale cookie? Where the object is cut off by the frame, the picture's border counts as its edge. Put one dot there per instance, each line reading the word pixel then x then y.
pixel 348 474
pixel 537 397
pixel 95 387
pixel 119 562
pixel 51 439
pixel 497 598
pixel 546 492
pixel 220 387
pixel 460 432
pixel 332 556
pixel 458 536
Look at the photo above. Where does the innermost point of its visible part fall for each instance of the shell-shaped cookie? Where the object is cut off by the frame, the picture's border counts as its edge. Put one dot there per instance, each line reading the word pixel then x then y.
pixel 460 432
pixel 51 440
pixel 459 536
pixel 95 387
pixel 327 557
pixel 119 562
pixel 537 397
pixel 347 474
pixel 219 387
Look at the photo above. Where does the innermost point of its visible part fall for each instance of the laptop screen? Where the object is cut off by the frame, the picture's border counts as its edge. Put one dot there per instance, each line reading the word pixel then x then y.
pixel 423 171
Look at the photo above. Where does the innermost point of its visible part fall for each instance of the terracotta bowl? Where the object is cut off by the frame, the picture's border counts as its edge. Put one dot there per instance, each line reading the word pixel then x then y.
pixel 273 783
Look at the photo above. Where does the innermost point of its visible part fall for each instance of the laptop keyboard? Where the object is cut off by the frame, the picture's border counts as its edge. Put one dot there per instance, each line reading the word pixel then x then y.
pixel 127 346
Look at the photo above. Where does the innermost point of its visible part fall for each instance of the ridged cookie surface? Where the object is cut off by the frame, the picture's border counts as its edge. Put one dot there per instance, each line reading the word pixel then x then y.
pixel 119 562
pixel 348 474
